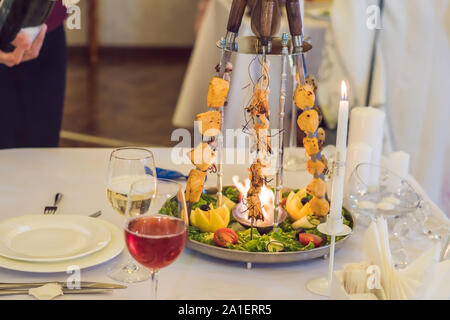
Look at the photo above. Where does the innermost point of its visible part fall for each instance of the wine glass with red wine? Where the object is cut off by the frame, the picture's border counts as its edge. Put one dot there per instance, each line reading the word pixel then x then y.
pixel 156 238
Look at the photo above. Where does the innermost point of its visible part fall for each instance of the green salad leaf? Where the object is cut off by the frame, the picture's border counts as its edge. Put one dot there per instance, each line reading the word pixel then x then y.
pixel 290 243
pixel 246 243
pixel 203 237
pixel 286 225
pixel 169 208
pixel 264 243
pixel 231 193
pixel 205 199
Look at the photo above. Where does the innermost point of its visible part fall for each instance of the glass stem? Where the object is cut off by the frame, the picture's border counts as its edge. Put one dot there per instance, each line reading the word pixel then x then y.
pixel 154 277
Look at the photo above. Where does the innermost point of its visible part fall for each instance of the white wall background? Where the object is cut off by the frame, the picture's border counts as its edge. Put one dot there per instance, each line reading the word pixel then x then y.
pixel 140 23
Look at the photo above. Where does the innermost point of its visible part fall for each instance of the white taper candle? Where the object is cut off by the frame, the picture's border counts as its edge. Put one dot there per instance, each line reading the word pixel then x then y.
pixel 334 222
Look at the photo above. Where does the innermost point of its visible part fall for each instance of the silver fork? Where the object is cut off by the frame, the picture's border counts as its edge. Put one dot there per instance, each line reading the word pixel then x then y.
pixel 52 209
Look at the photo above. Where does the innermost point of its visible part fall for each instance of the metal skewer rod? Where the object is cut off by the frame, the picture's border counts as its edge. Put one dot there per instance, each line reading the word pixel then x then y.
pixel 234 23
pixel 279 175
pixel 220 163
pixel 293 131
pixel 263 64
pixel 226 55
pixel 220 137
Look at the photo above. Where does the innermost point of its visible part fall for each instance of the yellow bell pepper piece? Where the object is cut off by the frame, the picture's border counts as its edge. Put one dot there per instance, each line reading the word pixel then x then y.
pixel 212 220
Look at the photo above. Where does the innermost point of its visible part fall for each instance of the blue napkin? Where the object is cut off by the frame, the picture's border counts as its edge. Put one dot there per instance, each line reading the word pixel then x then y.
pixel 166 174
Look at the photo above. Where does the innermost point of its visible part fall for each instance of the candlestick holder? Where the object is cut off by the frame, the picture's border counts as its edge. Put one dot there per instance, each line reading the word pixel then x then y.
pixel 332 227
pixel 321 286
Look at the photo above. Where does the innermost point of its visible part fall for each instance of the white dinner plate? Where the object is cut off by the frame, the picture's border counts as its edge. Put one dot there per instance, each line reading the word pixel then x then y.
pixel 48 238
pixel 112 249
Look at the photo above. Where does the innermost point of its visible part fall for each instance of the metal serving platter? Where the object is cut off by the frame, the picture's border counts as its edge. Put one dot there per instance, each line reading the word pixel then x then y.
pixel 262 257
pixel 266 257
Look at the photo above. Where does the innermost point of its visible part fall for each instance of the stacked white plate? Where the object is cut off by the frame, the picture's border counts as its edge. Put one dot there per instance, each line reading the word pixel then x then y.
pixel 53 243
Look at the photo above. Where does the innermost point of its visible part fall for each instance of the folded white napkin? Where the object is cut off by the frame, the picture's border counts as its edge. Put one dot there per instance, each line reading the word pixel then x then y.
pixel 46 292
pixel 420 277
pixel 425 278
pixel 439 288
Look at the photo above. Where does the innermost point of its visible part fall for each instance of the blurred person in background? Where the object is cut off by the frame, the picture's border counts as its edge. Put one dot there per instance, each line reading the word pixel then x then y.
pixel 32 86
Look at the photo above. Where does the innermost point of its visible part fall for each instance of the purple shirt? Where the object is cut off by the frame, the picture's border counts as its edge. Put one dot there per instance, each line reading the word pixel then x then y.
pixel 57 16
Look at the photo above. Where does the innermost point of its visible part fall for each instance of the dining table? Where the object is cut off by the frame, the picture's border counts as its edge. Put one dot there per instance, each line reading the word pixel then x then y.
pixel 29 179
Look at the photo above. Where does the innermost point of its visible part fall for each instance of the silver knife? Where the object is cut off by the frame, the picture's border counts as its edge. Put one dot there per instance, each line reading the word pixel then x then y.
pixel 83 285
pixel 65 291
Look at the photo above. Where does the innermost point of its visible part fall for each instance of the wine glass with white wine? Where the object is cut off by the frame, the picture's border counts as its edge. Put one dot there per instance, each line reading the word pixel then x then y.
pixel 126 166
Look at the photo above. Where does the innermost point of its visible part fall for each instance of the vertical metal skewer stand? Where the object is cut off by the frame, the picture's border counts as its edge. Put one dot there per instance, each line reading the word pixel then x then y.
pixel 283 48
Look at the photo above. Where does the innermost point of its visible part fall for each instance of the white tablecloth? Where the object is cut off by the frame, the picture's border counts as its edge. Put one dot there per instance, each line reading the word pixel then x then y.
pixel 206 55
pixel 29 178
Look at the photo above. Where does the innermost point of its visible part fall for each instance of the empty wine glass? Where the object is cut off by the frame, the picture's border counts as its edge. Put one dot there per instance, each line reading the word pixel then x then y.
pixel 157 237
pixel 391 198
pixel 408 215
pixel 127 165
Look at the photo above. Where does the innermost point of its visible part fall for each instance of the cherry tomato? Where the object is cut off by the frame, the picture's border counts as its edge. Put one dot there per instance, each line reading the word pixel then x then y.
pixel 306 238
pixel 224 236
pixel 283 202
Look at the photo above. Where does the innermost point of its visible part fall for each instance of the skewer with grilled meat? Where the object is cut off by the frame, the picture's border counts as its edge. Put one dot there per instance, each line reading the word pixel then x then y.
pixel 262 139
pixel 217 92
pixel 304 96
pixel 202 156
pixel 254 204
pixel 259 110
pixel 256 177
pixel 209 123
pixel 259 104
pixel 194 186
pixel 308 121
pixel 321 137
